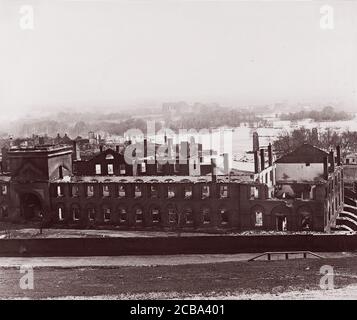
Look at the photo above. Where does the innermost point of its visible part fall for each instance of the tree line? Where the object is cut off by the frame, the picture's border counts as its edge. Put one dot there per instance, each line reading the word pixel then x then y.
pixel 326 114
pixel 328 139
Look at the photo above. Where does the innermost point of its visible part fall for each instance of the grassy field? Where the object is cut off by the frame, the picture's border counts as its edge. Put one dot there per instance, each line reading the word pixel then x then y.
pixel 228 279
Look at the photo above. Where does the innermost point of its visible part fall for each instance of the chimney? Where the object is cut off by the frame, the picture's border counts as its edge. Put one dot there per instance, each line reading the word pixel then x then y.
pixel 169 148
pixel 177 153
pixel 338 150
pixel 255 141
pixel 76 151
pixel 270 155
pixel 213 168
pixel 145 148
pixel 262 159
pixel 332 161
pixel 101 148
pixel 325 168
pixel 225 163
pixel 192 140
pixel 183 152
pixel 117 149
pixel 256 162
pixel 135 168
pixel 60 172
pixel 200 152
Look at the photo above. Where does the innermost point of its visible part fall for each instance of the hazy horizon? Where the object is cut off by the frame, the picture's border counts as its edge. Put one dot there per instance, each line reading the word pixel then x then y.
pixel 93 55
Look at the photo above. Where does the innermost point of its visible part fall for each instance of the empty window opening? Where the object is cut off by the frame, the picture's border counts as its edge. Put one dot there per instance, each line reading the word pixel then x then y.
pixel 90 191
pixel 91 214
pixel 170 192
pixel 75 214
pixel 4 189
pixel 155 213
pixel 160 168
pixel 281 223
pixel 106 191
pixel 173 218
pixel 107 213
pixel 254 193
pixel 188 192
pixel 60 214
pixel 189 216
pixel 224 216
pixel 121 191
pixel 75 191
pixel 138 191
pixel 206 216
pixel 59 191
pixel 122 215
pixel 205 192
pixel 122 169
pixel 223 191
pixel 258 218
pixel 143 167
pixel 138 215
pixel 306 222
pixel 154 192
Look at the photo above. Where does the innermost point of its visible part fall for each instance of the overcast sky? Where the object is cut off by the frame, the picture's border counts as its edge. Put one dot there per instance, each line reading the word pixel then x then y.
pixel 82 54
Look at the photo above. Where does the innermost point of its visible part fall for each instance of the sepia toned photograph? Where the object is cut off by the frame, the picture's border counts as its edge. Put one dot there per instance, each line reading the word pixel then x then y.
pixel 175 155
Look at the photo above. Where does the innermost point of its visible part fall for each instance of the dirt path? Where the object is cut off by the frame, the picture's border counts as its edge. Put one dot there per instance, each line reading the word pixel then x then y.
pixel 138 261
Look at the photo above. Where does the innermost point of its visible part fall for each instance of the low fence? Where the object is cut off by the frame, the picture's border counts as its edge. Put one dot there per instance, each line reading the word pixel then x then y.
pixel 176 245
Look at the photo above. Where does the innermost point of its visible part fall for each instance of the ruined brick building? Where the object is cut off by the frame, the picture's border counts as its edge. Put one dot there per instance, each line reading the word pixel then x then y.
pixel 300 191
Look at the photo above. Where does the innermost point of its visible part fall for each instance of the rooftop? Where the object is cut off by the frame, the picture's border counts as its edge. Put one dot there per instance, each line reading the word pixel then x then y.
pixel 306 153
pixel 40 148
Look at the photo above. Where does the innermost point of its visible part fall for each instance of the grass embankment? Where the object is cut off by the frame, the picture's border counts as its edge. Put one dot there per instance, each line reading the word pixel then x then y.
pixel 181 281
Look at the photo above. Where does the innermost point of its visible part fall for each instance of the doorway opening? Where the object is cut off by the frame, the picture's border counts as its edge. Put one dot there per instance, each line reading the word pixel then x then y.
pixel 281 223
pixel 31 206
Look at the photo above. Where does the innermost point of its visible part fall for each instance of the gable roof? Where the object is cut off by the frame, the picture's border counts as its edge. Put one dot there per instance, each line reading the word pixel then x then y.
pixel 101 156
pixel 306 153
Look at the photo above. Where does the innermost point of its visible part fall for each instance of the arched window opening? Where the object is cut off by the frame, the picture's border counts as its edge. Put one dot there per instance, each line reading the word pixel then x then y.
pixel 60 213
pixel 107 214
pixel 224 216
pixel 121 191
pixel 173 217
pixel 123 216
pixel 206 215
pixel 155 213
pixel 188 213
pixel 91 214
pixel 75 213
pixel 139 215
